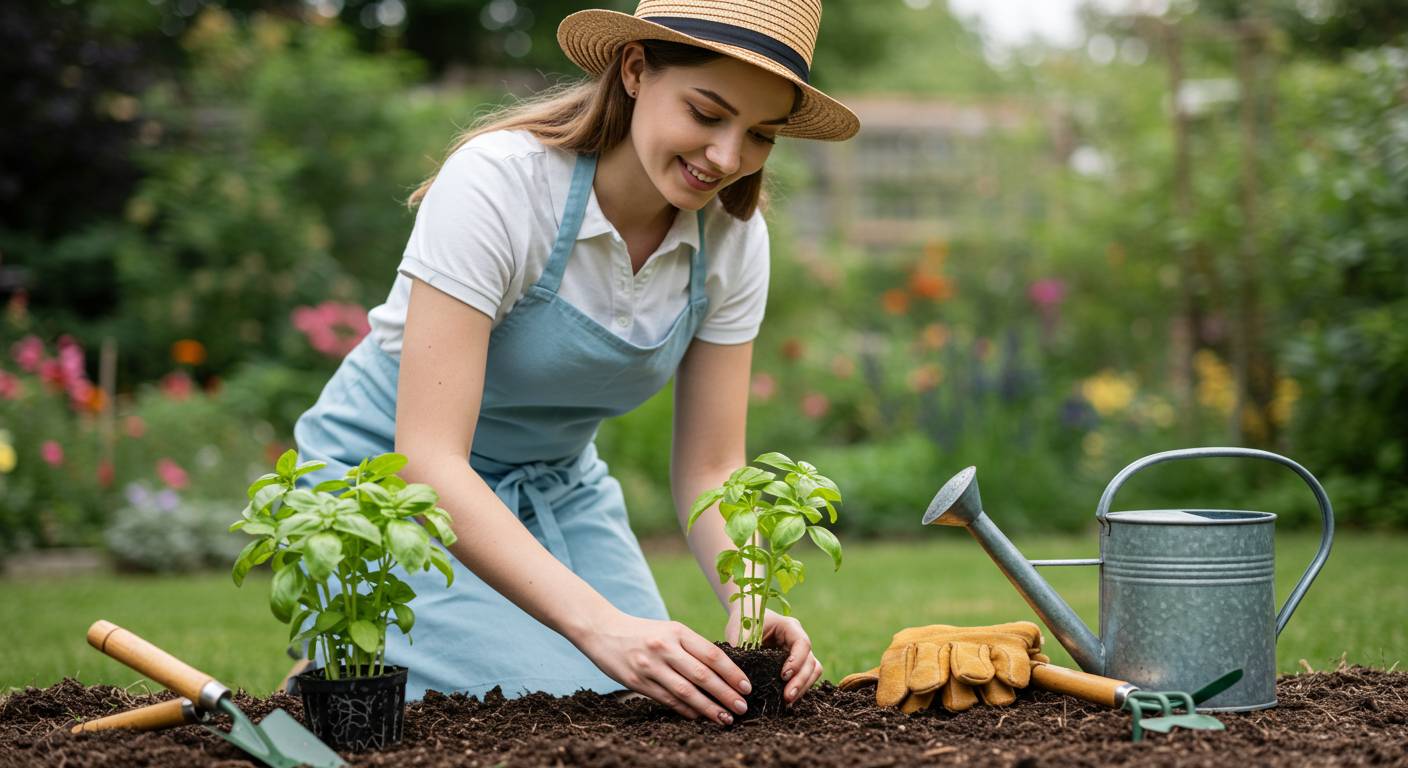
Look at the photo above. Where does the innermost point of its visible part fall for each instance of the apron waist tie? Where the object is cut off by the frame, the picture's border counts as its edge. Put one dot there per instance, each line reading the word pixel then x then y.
pixel 536 480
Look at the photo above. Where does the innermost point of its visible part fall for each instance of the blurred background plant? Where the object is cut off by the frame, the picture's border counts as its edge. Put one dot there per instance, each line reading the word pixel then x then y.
pixel 1046 260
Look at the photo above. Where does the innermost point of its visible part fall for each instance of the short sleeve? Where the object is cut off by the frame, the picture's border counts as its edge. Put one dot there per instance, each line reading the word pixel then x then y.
pixel 463 240
pixel 738 287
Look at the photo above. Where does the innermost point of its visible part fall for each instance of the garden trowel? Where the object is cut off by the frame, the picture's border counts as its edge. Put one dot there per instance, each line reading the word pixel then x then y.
pixel 278 741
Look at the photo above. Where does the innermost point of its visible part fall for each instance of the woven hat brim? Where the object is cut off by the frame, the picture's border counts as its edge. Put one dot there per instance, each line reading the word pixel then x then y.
pixel 592 38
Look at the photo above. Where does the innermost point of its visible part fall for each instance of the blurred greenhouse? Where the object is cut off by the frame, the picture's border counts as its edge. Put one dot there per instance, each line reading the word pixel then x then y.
pixel 1189 229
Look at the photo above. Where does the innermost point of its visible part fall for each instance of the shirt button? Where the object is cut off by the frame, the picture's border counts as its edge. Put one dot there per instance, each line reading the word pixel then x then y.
pixel 623 321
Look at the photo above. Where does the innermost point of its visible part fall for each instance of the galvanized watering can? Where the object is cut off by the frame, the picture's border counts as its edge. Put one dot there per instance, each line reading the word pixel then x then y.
pixel 1185 594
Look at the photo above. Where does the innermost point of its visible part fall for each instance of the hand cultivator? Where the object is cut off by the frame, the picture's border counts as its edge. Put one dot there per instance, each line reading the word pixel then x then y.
pixel 278 741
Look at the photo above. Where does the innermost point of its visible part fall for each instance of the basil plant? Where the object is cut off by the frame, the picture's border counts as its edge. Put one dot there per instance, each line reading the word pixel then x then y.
pixel 782 510
pixel 332 549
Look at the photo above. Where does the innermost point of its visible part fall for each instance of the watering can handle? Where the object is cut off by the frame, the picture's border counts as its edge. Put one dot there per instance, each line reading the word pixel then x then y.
pixel 1327 514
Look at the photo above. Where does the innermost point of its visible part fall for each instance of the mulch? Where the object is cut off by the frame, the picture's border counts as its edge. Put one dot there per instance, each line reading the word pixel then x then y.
pixel 1353 716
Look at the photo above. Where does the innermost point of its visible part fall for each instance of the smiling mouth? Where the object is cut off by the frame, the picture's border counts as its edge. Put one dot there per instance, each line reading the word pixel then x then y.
pixel 698 179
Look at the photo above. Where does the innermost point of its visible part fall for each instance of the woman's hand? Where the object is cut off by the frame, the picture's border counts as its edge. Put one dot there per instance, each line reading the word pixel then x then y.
pixel 801 669
pixel 670 663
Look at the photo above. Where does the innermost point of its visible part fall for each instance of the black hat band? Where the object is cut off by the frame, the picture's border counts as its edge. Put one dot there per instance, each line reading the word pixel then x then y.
pixel 741 37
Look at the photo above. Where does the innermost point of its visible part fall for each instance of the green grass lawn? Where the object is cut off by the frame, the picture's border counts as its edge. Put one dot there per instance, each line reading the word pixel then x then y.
pixel 1358 608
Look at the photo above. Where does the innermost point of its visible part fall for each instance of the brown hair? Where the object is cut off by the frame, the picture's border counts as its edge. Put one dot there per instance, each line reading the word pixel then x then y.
pixel 592 116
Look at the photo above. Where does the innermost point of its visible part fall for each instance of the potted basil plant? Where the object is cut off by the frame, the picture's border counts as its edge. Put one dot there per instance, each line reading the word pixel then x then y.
pixel 332 549
pixel 765 514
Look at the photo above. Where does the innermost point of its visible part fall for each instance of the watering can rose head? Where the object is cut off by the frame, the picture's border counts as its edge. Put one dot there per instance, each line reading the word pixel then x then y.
pixel 782 509
pixel 333 548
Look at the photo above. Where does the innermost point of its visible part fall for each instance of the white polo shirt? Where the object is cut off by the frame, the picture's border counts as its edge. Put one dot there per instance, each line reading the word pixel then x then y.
pixel 485 229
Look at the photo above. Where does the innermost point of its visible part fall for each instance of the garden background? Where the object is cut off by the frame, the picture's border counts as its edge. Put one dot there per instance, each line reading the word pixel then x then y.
pixel 1187 229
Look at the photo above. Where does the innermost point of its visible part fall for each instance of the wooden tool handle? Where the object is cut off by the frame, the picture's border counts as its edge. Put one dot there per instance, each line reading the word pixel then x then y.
pixel 149 718
pixel 1082 685
pixel 149 660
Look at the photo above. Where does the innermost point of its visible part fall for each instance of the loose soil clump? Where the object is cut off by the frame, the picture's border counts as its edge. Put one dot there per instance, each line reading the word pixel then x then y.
pixel 1354 716
pixel 763 666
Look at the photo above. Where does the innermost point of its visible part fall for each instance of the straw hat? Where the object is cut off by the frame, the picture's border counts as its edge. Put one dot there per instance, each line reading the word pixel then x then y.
pixel 777 35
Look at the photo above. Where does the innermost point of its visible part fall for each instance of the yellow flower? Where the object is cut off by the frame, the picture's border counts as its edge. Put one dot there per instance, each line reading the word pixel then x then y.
pixel 7 458
pixel 1216 388
pixel 1284 401
pixel 1108 392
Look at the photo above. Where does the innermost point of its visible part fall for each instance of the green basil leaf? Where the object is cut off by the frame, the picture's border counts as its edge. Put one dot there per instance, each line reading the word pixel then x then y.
pixel 775 459
pixel 439 519
pixel 266 496
pixel 724 562
pixel 322 552
pixel 416 498
pixel 300 500
pixel 786 532
pixel 296 624
pixel 254 553
pixel 786 580
pixel 300 524
pixel 398 591
pixel 330 486
pixel 286 464
pixel 263 481
pixel 409 544
pixel 778 489
pixel 328 621
pixel 786 606
pixel 284 592
pixel 386 464
pixel 376 494
pixel 358 526
pixel 308 466
pixel 826 540
pixel 741 526
pixel 441 560
pixel 701 504
pixel 365 635
pixel 405 618
pixel 257 528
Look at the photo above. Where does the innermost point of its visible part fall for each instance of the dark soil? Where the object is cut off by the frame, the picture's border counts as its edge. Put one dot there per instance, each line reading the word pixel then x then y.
pixel 763 666
pixel 1351 717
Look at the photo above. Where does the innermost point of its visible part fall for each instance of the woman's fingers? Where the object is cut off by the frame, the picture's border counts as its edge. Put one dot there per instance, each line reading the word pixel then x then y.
pixel 688 693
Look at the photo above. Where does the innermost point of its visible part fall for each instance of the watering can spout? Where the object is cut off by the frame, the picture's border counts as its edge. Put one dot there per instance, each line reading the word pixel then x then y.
pixel 959 504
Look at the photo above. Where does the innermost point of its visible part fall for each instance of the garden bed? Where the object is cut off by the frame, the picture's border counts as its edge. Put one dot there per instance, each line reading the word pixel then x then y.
pixel 1354 716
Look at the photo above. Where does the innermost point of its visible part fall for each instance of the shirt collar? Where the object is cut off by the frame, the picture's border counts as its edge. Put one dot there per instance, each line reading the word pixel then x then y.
pixel 684 230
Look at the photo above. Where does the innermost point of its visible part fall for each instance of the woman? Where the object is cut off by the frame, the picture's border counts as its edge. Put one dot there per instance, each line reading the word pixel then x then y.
pixel 570 257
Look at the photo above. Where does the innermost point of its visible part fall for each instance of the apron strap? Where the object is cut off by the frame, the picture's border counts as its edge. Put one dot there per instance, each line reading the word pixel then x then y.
pixel 577 195
pixel 698 265
pixel 535 480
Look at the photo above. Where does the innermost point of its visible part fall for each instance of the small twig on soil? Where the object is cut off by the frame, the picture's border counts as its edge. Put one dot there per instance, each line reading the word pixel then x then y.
pixel 1305 665
pixel 936 751
pixel 999 722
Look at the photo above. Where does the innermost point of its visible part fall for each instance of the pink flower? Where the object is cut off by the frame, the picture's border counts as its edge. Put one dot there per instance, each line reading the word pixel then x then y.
pixel 29 353
pixel 764 386
pixel 11 388
pixel 332 328
pixel 177 385
pixel 172 474
pixel 134 426
pixel 105 473
pixel 52 453
pixel 1047 293
pixel 815 405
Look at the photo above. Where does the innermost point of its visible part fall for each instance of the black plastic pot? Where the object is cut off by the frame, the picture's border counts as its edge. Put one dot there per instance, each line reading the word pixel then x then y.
pixel 355 713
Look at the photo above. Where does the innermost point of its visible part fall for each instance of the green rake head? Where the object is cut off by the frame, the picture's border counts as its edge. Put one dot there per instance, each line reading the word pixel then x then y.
pixel 1162 705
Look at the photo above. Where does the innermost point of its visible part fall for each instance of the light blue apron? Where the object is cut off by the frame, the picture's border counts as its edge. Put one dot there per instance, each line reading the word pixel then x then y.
pixel 552 375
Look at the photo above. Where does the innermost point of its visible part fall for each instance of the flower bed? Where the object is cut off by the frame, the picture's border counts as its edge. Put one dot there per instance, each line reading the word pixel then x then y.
pixel 1351 717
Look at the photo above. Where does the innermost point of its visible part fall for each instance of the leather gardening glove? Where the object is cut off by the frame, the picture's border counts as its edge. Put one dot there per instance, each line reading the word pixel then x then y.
pixel 954 664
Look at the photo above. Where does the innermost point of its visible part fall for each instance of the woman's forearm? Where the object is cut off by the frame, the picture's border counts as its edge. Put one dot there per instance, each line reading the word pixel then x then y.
pixel 495 545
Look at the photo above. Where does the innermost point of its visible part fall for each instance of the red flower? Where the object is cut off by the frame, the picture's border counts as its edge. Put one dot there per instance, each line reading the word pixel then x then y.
pixel 172 474
pixel 105 473
pixel 177 385
pixel 793 349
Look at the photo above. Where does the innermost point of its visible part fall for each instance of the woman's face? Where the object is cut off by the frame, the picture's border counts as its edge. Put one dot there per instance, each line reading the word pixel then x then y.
pixel 698 129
